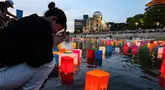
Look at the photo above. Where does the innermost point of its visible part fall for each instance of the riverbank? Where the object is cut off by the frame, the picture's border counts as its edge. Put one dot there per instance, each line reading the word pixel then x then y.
pixel 157 36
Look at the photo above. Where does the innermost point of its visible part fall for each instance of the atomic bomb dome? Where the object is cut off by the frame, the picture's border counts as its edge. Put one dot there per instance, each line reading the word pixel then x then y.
pixel 97 14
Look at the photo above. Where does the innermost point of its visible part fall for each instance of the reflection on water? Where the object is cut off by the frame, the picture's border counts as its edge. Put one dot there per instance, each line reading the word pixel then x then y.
pixel 127 73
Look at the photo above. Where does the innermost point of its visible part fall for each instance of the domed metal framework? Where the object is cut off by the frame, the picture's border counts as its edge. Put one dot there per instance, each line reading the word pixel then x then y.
pixel 97 14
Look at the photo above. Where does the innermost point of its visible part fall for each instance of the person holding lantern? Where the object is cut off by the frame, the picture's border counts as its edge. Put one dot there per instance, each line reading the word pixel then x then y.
pixel 26 57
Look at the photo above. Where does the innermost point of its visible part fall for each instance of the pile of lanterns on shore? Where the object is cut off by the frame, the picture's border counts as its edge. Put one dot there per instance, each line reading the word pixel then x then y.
pixel 69 61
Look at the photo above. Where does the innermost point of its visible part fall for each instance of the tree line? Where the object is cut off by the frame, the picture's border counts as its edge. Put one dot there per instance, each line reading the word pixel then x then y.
pixel 154 17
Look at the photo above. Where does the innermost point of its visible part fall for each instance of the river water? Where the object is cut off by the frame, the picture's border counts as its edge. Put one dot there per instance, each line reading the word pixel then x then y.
pixel 125 73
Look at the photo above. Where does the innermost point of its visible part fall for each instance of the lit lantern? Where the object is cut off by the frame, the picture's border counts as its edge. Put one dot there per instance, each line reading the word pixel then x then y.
pixel 151 46
pixel 66 70
pixel 90 57
pixel 98 58
pixel 145 57
pixel 73 55
pixel 59 46
pixel 155 42
pixel 114 44
pixel 142 44
pixel 138 43
pixel 108 43
pixel 134 50
pixel 117 43
pixel 94 49
pixel 117 50
pixel 56 57
pixel 103 49
pixel 163 54
pixel 62 50
pixel 102 42
pixel 97 80
pixel 162 81
pixel 78 52
pixel 93 41
pixel 162 70
pixel 55 48
pixel 109 50
pixel 148 45
pixel 125 49
pixel 160 52
pixel 74 45
pixel 68 52
pixel 120 45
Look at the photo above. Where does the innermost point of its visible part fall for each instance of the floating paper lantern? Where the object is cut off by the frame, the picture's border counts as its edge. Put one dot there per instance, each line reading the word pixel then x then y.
pixel 102 42
pixel 108 43
pixel 103 49
pixel 73 55
pixel 117 50
pixel 56 58
pixel 109 50
pixel 59 46
pixel 162 70
pixel 148 45
pixel 98 58
pixel 138 43
pixel 125 49
pixel 134 50
pixel 55 48
pixel 97 80
pixel 162 81
pixel 93 41
pixel 66 70
pixel 142 44
pixel 145 58
pixel 78 52
pixel 62 50
pixel 117 43
pixel 114 44
pixel 163 54
pixel 68 52
pixel 151 46
pixel 90 57
pixel 74 45
pixel 120 45
pixel 160 52
pixel 94 49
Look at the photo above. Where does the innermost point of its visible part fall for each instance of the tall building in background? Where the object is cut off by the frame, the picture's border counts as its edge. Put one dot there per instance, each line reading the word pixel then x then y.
pixel 78 25
pixel 85 18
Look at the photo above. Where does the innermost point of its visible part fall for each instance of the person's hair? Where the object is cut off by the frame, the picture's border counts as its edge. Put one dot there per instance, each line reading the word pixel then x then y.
pixel 61 17
pixel 51 5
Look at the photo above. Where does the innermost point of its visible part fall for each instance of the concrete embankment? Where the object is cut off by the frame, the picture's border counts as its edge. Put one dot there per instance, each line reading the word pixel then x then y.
pixel 160 35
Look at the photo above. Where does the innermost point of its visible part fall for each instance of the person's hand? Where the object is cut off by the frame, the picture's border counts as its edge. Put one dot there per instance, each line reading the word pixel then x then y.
pixel 57 39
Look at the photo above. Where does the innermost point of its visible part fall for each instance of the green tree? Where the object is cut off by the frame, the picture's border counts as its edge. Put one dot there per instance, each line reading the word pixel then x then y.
pixel 136 21
pixel 155 17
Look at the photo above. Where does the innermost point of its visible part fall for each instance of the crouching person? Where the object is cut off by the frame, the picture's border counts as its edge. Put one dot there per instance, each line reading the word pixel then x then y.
pixel 26 57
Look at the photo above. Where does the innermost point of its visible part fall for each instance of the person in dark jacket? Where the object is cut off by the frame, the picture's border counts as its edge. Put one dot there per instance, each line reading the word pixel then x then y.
pixel 51 5
pixel 26 57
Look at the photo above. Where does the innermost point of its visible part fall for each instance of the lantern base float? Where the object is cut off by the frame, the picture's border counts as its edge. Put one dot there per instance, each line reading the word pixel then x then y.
pixel 67 79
